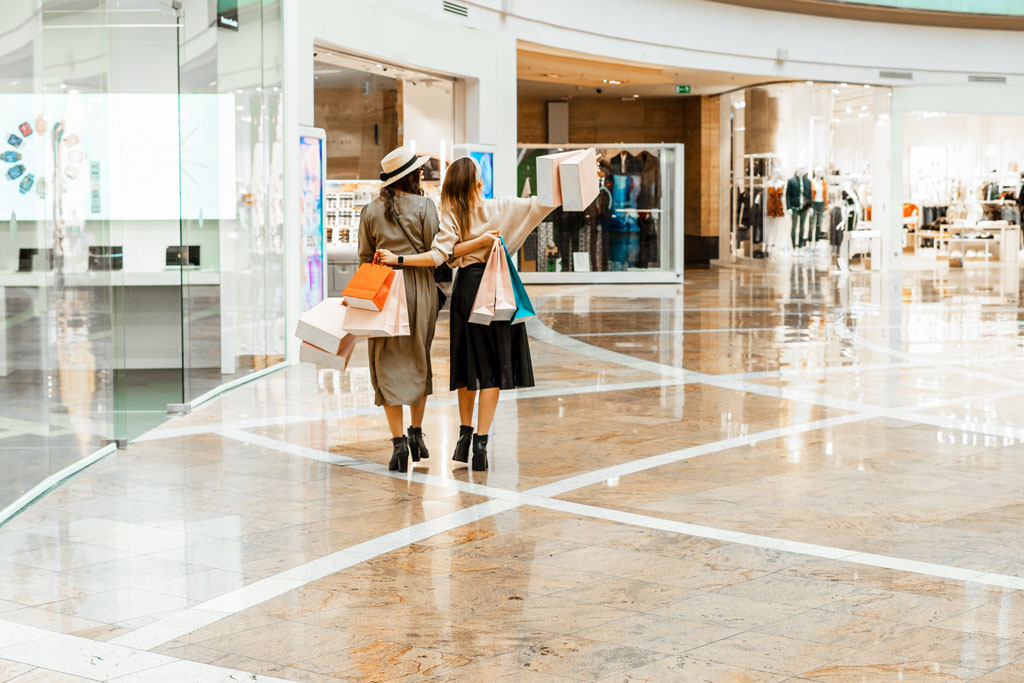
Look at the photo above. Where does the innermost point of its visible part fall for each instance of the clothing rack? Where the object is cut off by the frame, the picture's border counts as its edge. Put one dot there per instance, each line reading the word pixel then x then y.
pixel 757 171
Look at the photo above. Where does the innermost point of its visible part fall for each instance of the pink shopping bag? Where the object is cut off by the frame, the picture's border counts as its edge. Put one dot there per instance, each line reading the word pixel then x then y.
pixel 483 304
pixel 323 326
pixel 325 359
pixel 577 175
pixel 549 186
pixel 391 321
pixel 504 295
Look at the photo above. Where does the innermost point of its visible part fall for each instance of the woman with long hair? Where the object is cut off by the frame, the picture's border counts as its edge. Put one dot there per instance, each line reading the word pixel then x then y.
pixel 484 358
pixel 401 226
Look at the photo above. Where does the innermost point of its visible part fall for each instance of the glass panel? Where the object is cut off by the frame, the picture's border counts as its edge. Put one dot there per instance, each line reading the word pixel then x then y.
pixel 230 251
pixel 627 228
pixel 782 133
pixel 89 330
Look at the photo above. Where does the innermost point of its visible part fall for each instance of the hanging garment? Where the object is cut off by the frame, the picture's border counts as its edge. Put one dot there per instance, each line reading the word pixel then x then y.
pixel 757 217
pixel 775 209
pixel 835 228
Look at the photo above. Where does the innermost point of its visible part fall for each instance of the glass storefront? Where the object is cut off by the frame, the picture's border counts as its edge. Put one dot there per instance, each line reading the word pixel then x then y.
pixel 812 144
pixel 634 227
pixel 368 108
pixel 141 244
pixel 962 187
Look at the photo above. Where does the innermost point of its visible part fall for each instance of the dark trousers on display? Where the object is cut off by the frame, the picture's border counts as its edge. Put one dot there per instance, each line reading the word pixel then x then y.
pixel 817 220
pixel 800 227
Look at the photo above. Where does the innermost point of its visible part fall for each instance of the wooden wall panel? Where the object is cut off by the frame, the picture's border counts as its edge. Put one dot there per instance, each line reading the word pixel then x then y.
pixel 354 148
pixel 692 121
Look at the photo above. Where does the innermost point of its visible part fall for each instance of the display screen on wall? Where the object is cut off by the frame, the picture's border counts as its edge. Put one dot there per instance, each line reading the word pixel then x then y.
pixel 117 156
pixel 311 219
pixel 486 161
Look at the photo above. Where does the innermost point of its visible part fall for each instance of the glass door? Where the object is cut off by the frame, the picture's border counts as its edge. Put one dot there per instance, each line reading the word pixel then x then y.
pixel 231 250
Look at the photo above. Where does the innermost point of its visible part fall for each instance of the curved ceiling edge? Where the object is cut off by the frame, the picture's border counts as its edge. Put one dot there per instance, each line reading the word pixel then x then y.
pixel 893 15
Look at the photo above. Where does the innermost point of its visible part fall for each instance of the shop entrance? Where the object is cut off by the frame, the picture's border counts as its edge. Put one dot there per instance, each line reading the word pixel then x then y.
pixel 367 108
pixel 962 189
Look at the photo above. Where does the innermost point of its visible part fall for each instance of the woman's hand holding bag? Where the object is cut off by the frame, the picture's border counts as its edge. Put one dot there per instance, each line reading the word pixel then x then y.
pixel 368 289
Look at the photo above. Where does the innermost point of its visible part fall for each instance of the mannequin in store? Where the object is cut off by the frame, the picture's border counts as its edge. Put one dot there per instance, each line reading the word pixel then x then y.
pixel 624 239
pixel 798 201
pixel 776 237
pixel 819 203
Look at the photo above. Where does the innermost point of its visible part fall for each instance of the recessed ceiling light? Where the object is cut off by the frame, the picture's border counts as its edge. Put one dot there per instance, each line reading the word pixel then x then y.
pixel 864 107
pixel 810 82
pixel 843 85
pixel 740 105
pixel 835 91
pixel 866 86
pixel 552 75
pixel 849 110
pixel 612 81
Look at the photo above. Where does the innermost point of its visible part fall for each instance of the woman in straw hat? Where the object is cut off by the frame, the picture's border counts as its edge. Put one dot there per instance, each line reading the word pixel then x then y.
pixel 401 226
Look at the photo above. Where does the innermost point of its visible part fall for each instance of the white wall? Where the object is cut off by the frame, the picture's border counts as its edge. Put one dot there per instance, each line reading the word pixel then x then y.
pixel 722 37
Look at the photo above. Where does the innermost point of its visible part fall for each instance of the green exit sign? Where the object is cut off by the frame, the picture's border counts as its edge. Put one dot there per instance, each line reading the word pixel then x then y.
pixel 682 90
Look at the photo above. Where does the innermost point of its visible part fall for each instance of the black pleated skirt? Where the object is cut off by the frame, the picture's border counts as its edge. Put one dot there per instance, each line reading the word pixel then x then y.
pixel 485 356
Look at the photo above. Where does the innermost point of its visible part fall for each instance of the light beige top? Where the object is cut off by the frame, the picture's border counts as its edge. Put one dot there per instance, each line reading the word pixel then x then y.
pixel 515 217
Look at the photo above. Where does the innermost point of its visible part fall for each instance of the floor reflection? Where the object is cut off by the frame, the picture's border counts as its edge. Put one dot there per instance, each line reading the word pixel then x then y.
pixel 766 473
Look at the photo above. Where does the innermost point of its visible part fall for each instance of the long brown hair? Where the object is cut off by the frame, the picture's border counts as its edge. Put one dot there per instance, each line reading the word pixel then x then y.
pixel 409 184
pixel 460 193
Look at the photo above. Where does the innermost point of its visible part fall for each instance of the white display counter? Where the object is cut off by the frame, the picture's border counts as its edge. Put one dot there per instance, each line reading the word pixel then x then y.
pixel 152 303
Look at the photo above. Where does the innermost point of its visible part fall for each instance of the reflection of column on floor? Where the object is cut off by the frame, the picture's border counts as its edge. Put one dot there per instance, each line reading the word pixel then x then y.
pixel 3 331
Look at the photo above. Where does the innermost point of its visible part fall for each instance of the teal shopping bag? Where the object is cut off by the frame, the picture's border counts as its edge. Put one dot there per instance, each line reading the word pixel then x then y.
pixel 524 307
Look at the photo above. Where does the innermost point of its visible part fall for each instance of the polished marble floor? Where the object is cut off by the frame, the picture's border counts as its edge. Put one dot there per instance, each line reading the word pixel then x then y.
pixel 770 473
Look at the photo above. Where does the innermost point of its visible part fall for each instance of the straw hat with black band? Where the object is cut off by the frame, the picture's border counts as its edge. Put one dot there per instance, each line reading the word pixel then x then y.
pixel 399 163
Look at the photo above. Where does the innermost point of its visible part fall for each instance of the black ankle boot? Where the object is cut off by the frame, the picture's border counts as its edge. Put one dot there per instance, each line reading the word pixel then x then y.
pixel 417 448
pixel 400 455
pixel 479 452
pixel 462 445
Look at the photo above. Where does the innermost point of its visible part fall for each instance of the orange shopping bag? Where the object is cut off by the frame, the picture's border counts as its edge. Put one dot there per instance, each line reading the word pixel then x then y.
pixel 391 321
pixel 368 289
pixel 483 304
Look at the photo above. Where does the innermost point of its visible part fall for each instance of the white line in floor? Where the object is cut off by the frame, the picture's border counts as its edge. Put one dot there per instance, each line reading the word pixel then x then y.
pixel 791 393
pixel 503 500
pixel 98 660
pixel 186 621
pixel 516 395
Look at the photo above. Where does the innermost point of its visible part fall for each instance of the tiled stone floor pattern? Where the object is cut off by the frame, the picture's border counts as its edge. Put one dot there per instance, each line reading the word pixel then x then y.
pixel 849 454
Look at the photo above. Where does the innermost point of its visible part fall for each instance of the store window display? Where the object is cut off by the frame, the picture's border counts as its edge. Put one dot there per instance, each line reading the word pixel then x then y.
pixel 779 134
pixel 628 228
pixel 966 185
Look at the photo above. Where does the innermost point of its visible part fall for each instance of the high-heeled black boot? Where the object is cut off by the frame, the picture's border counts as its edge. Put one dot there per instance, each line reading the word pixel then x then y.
pixel 400 455
pixel 463 444
pixel 417 448
pixel 479 452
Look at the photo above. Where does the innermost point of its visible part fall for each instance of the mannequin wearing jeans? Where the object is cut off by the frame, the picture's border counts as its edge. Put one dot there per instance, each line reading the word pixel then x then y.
pixel 819 203
pixel 798 201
